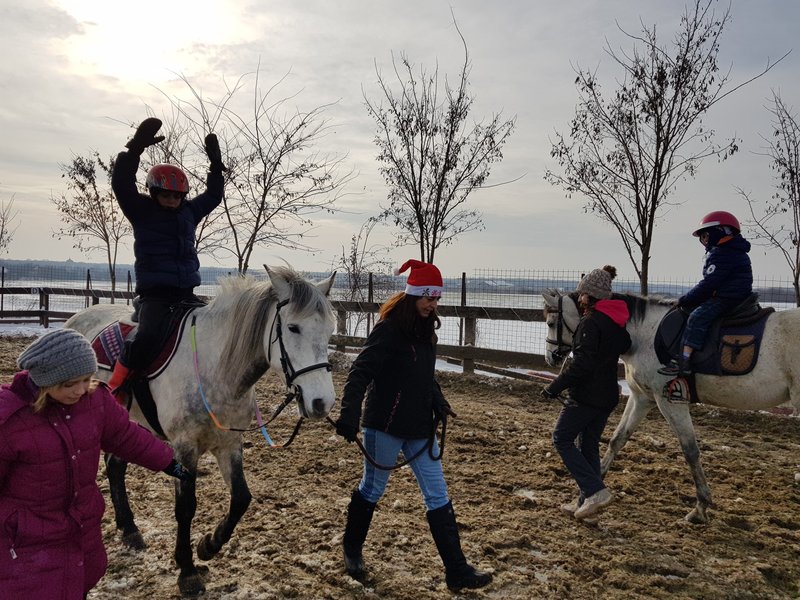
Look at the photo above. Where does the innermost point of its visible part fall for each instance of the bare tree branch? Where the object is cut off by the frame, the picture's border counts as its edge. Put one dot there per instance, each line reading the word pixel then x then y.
pixel 626 151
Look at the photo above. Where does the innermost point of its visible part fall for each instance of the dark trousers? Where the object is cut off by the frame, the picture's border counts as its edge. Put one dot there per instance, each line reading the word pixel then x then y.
pixel 701 318
pixel 155 314
pixel 576 437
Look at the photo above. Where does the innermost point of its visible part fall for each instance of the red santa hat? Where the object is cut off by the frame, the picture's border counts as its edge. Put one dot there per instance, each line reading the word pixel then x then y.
pixel 424 280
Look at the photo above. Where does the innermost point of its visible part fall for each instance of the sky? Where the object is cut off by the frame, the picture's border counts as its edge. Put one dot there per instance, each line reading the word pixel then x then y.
pixel 77 73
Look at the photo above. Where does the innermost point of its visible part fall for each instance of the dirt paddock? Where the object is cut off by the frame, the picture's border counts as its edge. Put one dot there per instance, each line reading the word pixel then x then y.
pixel 506 483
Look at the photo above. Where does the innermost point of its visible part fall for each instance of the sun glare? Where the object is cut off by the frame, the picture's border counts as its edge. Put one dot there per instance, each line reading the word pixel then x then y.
pixel 147 41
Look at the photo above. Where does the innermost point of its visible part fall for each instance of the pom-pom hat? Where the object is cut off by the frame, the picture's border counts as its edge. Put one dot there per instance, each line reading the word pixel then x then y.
pixel 424 279
pixel 57 357
pixel 597 284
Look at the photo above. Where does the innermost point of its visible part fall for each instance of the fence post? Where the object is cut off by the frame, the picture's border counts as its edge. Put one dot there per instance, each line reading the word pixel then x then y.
pixel 341 326
pixel 44 307
pixel 470 330
pixel 3 284
pixel 463 303
pixel 370 293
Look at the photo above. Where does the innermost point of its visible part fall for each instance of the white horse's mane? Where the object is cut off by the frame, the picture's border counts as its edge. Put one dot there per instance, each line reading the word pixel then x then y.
pixel 241 309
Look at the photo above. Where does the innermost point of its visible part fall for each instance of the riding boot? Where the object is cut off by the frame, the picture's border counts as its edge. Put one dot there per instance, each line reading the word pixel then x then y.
pixel 117 382
pixel 359 517
pixel 458 573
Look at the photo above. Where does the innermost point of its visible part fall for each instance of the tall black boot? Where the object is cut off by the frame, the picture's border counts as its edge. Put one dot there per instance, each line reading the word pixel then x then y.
pixel 458 573
pixel 359 517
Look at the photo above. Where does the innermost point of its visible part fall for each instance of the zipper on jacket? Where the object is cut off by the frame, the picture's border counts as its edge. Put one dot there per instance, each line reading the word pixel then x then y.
pixel 13 554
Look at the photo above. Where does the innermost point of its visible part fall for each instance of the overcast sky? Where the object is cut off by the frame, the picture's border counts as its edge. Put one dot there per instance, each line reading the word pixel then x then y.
pixel 75 73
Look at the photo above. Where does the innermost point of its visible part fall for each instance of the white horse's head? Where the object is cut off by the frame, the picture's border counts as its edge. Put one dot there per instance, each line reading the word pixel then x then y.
pixel 561 316
pixel 297 344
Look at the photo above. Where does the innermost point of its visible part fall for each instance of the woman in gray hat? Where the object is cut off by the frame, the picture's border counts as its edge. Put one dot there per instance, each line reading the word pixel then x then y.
pixel 55 419
pixel 591 379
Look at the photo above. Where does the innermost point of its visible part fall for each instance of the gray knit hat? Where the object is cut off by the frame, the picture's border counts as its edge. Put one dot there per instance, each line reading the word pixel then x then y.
pixel 57 357
pixel 598 283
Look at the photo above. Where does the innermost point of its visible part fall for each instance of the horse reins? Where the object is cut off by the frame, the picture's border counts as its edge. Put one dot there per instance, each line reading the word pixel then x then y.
pixel 289 372
pixel 427 447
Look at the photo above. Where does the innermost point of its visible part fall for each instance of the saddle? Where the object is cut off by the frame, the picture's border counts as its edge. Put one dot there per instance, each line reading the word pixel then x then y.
pixel 732 342
pixel 107 346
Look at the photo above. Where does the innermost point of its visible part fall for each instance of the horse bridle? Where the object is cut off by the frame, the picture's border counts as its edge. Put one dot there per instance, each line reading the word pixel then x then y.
pixel 562 348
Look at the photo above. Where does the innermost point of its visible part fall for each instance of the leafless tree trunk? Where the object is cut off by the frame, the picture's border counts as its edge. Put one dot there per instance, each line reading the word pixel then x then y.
pixel 90 213
pixel 777 222
pixel 8 223
pixel 432 160
pixel 626 151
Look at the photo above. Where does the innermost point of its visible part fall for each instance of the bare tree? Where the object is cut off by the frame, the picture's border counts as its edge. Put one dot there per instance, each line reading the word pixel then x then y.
pixel 777 223
pixel 8 224
pixel 358 262
pixel 276 182
pixel 626 152
pixel 432 159
pixel 90 212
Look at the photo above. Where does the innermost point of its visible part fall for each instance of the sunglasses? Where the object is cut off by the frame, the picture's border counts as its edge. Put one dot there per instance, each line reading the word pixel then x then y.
pixel 171 194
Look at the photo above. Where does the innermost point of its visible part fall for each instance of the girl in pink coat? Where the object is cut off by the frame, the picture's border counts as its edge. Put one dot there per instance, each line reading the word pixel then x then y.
pixel 54 421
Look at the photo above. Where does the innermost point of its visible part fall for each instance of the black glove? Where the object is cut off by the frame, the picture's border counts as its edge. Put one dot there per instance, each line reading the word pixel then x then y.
pixel 145 135
pixel 346 430
pixel 546 393
pixel 214 154
pixel 443 412
pixel 176 469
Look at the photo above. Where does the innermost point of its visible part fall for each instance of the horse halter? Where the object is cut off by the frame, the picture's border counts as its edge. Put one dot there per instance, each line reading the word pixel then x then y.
pixel 289 372
pixel 562 348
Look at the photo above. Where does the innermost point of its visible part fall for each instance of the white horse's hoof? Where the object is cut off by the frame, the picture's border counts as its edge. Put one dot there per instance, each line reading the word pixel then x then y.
pixel 697 517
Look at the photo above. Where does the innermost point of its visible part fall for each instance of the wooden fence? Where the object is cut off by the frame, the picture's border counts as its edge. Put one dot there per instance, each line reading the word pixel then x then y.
pixel 467 354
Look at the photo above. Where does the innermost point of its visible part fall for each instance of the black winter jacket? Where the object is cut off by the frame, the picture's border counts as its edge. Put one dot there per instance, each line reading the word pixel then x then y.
pixel 727 274
pixel 598 342
pixel 164 240
pixel 396 371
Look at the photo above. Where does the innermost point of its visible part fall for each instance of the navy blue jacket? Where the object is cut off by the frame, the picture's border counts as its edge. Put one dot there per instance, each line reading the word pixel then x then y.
pixel 396 372
pixel 727 274
pixel 163 239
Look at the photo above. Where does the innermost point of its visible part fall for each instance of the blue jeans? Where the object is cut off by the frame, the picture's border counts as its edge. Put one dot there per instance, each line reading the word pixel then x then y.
pixel 384 449
pixel 581 456
pixel 701 318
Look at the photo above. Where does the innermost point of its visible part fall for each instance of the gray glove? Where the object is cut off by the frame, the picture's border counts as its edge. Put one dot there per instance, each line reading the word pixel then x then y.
pixel 145 135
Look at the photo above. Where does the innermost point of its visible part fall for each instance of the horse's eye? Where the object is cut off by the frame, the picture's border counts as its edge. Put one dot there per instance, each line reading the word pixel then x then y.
pixel 294 328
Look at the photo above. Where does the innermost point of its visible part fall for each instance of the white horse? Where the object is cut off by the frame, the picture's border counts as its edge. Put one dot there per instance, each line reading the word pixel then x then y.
pixel 247 329
pixel 774 380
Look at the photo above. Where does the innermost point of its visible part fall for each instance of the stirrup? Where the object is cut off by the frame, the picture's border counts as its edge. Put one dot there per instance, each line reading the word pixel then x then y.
pixel 676 391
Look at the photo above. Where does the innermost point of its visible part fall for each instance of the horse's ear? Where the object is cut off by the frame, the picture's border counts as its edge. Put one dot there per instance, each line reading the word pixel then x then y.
pixel 279 284
pixel 326 285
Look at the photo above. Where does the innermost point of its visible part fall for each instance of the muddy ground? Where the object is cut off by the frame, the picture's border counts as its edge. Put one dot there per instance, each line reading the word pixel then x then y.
pixel 506 483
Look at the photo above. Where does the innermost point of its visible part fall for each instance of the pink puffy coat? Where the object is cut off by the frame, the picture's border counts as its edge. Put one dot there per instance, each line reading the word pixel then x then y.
pixel 51 543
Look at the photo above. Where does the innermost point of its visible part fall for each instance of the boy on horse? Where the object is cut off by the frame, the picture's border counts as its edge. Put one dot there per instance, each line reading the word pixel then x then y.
pixel 164 223
pixel 727 281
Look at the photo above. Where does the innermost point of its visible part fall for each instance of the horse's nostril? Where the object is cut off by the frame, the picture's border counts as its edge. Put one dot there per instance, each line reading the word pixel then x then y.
pixel 319 406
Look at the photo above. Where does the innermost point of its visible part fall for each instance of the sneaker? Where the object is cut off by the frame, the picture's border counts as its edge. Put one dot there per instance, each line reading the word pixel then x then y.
pixel 676 368
pixel 594 504
pixel 672 369
pixel 569 509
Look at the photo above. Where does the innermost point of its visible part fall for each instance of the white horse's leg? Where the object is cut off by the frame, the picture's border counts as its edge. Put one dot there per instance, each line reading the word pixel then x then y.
pixel 680 419
pixel 636 409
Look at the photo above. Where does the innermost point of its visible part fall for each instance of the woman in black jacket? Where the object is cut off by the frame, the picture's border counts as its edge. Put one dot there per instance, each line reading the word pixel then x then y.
pixel 396 371
pixel 591 379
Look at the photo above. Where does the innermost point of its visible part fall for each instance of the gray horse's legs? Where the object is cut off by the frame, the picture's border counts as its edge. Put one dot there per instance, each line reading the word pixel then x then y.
pixel 189 581
pixel 680 420
pixel 636 409
pixel 123 515
pixel 211 544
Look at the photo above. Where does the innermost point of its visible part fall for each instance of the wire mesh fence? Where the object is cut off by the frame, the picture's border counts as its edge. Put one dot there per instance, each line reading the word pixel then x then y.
pixel 506 288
